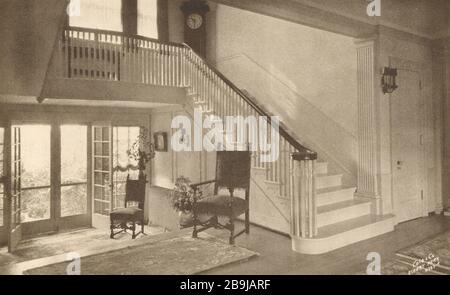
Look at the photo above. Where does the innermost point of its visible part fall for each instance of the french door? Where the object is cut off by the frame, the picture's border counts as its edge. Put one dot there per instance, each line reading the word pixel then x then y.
pixel 111 165
pixel 48 179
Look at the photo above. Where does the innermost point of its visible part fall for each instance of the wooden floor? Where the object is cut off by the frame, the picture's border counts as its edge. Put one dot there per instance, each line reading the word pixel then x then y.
pixel 276 256
pixel 72 241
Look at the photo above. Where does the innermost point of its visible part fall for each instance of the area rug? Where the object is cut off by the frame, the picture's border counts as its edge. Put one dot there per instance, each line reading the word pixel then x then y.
pixel 437 249
pixel 175 256
pixel 400 267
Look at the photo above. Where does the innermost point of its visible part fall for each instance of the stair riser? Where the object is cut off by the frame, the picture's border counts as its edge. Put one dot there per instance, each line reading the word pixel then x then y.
pixel 319 246
pixel 328 181
pixel 335 197
pixel 343 214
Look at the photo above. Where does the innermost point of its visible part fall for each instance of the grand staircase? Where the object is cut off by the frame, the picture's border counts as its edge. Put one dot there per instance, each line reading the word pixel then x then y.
pixel 295 194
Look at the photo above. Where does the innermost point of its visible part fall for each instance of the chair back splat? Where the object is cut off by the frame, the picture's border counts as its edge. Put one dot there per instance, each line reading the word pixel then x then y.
pixel 233 170
pixel 135 191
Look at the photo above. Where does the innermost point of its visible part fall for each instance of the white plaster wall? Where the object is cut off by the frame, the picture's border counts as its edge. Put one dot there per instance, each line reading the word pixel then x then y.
pixel 305 75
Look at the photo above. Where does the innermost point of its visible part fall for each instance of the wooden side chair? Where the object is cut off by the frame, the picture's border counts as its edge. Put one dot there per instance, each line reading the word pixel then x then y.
pixel 128 217
pixel 232 173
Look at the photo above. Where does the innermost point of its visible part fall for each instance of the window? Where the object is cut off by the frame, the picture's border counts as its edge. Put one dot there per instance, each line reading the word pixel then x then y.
pixel 148 18
pixel 98 14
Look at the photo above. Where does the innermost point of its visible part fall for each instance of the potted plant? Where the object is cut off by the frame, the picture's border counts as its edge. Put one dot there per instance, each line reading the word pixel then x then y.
pixel 142 151
pixel 182 199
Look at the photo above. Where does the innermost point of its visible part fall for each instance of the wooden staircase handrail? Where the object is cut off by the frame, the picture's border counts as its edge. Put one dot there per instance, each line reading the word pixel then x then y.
pixel 283 130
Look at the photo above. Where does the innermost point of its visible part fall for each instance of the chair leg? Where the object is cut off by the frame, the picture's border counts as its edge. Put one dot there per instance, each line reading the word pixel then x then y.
pixel 231 230
pixel 194 220
pixel 133 228
pixel 111 236
pixel 142 226
pixel 247 222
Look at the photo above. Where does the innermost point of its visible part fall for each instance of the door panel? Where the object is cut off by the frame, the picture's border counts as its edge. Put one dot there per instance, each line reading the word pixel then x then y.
pixel 14 202
pixel 406 147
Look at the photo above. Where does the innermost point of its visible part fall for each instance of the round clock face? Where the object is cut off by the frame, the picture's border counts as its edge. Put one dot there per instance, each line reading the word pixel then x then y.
pixel 194 21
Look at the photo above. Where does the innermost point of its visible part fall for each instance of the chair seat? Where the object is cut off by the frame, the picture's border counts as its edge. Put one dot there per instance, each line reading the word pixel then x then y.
pixel 220 205
pixel 129 214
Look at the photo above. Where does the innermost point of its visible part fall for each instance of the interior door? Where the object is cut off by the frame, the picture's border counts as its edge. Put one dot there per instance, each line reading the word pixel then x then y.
pixel 405 121
pixel 15 191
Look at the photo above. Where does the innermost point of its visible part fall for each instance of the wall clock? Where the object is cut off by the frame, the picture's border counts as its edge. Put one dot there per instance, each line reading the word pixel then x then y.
pixel 194 21
pixel 195 24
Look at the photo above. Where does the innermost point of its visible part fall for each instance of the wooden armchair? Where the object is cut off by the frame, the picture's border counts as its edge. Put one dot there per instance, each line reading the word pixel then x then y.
pixel 232 172
pixel 128 217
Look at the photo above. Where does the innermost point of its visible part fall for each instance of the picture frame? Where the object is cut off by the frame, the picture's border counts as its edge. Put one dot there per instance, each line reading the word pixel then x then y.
pixel 160 139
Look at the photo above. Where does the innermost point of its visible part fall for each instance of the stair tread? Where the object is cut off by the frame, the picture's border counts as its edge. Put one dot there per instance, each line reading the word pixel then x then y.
pixel 350 224
pixel 341 205
pixel 328 175
pixel 327 190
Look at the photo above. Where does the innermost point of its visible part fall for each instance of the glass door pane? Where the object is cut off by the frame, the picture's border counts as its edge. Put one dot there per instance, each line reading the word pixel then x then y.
pixel 102 169
pixel 123 139
pixel 73 170
pixel 2 161
pixel 34 169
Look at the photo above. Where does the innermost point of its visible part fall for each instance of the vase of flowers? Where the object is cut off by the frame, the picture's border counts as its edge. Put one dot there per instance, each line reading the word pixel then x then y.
pixel 142 151
pixel 182 199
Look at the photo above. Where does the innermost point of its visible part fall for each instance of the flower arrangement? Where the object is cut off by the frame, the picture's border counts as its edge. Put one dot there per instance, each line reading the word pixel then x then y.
pixel 142 150
pixel 182 196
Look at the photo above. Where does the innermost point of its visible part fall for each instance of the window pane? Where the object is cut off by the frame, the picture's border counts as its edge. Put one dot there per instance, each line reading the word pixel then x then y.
pixel 97 14
pixel 73 154
pixel 35 154
pixel 35 204
pixel 73 169
pixel 73 200
pixel 147 18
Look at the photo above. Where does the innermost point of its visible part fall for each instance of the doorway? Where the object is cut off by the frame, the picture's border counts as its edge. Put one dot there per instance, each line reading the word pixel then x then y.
pixel 49 187
pixel 406 146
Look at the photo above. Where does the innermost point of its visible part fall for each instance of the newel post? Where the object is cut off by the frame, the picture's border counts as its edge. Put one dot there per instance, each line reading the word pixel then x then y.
pixel 303 202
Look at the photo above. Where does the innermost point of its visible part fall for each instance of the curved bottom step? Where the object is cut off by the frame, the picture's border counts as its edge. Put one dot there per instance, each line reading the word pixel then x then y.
pixel 344 233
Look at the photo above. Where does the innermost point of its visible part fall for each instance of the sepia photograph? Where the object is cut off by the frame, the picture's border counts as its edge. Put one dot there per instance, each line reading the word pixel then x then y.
pixel 224 139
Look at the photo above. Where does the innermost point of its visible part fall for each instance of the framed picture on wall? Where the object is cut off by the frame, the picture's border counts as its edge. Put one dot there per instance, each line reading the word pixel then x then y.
pixel 160 139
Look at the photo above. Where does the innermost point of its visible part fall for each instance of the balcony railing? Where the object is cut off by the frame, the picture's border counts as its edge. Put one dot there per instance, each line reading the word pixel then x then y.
pixel 106 55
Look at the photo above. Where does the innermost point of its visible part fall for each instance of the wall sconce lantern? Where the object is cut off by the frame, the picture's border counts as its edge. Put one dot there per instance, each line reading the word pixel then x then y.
pixel 388 80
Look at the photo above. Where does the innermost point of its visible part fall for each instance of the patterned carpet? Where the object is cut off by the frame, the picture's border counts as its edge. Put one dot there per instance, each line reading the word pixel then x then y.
pixel 436 249
pixel 429 257
pixel 175 256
